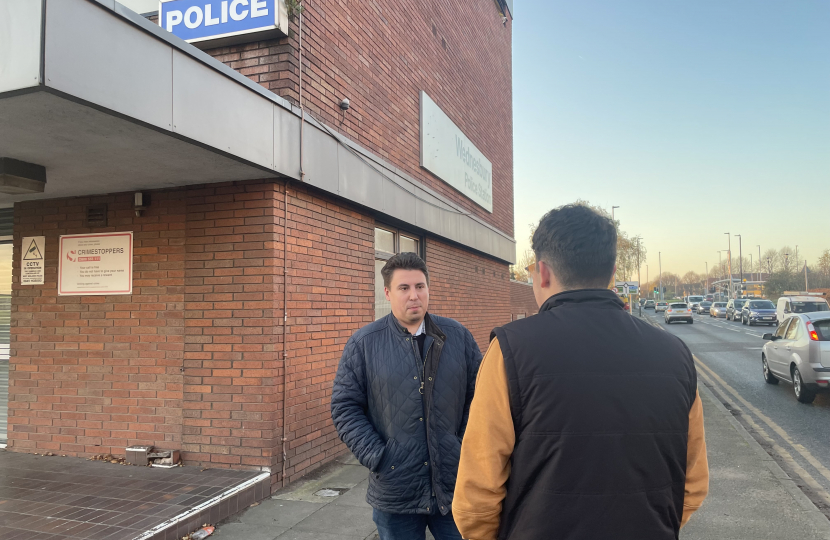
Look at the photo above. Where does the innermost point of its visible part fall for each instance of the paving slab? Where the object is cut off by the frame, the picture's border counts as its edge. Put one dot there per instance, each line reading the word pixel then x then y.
pixel 750 498
pixel 66 497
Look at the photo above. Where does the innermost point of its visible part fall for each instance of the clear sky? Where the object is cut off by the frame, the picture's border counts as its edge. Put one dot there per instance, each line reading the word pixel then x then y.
pixel 695 117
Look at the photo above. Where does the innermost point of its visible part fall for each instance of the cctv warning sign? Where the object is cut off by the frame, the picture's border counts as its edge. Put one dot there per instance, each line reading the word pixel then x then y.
pixel 32 261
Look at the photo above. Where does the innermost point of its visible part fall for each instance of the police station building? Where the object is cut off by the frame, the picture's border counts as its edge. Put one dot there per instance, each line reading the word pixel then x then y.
pixel 197 196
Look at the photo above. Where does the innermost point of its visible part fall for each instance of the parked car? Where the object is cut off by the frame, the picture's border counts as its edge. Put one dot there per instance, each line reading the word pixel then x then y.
pixel 758 312
pixel 799 352
pixel 660 306
pixel 718 310
pixel 679 312
pixel 733 308
pixel 800 302
pixel 649 304
pixel 703 307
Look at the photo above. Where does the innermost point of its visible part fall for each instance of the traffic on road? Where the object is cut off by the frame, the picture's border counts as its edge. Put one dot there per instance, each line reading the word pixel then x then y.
pixel 775 380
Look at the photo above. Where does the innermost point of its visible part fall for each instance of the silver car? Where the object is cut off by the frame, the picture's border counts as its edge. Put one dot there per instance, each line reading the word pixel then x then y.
pixel 718 309
pixel 799 352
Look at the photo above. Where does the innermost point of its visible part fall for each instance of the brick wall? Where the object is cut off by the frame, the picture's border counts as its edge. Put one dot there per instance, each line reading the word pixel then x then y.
pixel 522 301
pixel 233 324
pixel 472 289
pixel 93 374
pixel 330 296
pixel 380 55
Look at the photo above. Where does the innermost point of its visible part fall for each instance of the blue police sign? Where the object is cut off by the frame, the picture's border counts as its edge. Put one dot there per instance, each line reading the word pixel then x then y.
pixel 222 22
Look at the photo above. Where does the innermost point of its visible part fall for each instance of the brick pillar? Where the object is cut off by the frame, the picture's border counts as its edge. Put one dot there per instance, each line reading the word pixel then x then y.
pixel 330 296
pixel 233 324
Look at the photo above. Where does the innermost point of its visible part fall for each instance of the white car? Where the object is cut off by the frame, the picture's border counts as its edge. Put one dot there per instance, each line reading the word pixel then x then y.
pixel 660 306
pixel 800 302
pixel 679 312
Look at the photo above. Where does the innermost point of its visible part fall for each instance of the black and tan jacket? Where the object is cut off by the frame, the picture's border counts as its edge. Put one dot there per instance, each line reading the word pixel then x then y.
pixel 586 424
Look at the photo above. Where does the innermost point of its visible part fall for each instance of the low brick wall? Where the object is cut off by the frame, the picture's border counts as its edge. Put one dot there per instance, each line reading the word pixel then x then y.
pixel 522 301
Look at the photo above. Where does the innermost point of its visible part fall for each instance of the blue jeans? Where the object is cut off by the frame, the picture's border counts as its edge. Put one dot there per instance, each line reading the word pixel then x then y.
pixel 413 526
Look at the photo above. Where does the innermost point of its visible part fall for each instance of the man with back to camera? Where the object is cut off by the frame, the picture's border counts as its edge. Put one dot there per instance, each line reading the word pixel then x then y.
pixel 586 423
pixel 400 402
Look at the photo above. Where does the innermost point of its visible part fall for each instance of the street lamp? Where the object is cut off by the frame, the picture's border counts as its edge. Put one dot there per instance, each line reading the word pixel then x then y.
pixel 660 262
pixel 615 226
pixel 740 259
pixel 707 279
pixel 729 236
pixel 760 269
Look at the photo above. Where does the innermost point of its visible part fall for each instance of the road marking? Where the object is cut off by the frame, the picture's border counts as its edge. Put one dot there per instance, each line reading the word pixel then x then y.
pixel 806 477
pixel 825 472
pixel 752 334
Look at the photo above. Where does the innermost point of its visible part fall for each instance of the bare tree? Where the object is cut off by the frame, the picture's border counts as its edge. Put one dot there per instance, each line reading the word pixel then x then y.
pixel 786 259
pixel 771 261
pixel 519 269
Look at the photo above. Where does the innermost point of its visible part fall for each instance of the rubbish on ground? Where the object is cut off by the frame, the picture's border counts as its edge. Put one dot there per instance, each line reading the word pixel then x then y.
pixel 328 493
pixel 204 532
pixel 109 458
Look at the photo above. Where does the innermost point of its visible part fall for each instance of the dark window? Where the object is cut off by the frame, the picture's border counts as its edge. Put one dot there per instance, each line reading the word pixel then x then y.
pixel 809 307
pixel 388 242
pixel 782 328
pixel 761 304
pixel 793 330
pixel 822 329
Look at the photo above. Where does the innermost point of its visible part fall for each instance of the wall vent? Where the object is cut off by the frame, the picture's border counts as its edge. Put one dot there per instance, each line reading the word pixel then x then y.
pixel 96 215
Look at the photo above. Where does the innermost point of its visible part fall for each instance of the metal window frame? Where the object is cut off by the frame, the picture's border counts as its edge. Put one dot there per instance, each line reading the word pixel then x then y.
pixel 385 255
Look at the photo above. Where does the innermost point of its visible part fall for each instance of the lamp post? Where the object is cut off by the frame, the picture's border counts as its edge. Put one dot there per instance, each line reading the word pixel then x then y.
pixel 660 262
pixel 796 258
pixel 707 280
pixel 729 259
pixel 760 269
pixel 615 226
pixel 740 260
pixel 750 267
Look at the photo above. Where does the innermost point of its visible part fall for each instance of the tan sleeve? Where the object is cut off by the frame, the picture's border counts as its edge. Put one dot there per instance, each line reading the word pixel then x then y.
pixel 697 464
pixel 485 452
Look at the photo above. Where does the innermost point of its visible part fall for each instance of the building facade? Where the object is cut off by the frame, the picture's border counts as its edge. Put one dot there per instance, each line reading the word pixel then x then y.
pixel 260 208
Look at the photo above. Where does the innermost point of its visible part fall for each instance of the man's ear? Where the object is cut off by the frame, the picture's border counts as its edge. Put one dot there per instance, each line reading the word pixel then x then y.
pixel 386 292
pixel 545 274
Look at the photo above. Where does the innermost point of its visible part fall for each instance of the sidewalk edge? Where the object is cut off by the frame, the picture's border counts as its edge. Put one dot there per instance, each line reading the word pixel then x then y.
pixel 820 521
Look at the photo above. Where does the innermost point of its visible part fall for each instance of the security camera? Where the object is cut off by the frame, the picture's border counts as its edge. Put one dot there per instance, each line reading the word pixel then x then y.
pixel 344 105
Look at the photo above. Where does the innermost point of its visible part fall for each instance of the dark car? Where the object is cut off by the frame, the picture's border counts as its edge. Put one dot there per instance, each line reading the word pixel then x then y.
pixel 649 304
pixel 733 308
pixel 758 312
pixel 703 307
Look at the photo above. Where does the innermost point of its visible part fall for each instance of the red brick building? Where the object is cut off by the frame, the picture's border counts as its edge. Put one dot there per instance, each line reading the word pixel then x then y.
pixel 258 226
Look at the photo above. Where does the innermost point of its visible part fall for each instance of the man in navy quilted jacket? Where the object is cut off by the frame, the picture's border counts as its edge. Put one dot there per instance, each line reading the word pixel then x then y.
pixel 400 402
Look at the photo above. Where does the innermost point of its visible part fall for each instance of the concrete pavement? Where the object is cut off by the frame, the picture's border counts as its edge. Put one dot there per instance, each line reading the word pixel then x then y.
pixel 750 498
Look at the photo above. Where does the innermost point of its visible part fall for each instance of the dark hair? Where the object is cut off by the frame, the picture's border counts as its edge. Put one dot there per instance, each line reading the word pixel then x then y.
pixel 403 261
pixel 579 244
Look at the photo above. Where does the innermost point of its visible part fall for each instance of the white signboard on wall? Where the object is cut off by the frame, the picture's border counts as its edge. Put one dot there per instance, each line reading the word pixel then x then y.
pixel 96 264
pixel 448 154
pixel 32 260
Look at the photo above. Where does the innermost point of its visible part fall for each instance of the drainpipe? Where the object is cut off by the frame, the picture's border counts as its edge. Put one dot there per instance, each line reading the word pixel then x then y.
pixel 285 261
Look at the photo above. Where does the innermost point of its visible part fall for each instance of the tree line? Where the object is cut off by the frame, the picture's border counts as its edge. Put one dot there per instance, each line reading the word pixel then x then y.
pixel 781 269
pixel 631 254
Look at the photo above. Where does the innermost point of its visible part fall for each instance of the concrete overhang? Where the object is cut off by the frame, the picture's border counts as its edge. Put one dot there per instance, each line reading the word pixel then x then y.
pixel 109 102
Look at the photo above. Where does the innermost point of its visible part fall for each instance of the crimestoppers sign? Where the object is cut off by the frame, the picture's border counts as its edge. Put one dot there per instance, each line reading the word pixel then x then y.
pixel 96 264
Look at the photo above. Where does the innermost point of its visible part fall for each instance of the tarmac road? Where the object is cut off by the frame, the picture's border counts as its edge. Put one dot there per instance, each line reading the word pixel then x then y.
pixel 728 357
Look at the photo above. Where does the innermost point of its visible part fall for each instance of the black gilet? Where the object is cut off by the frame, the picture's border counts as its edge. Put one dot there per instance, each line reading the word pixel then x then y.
pixel 600 403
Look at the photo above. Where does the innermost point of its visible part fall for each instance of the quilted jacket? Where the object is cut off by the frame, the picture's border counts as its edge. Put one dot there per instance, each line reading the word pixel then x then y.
pixel 409 441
